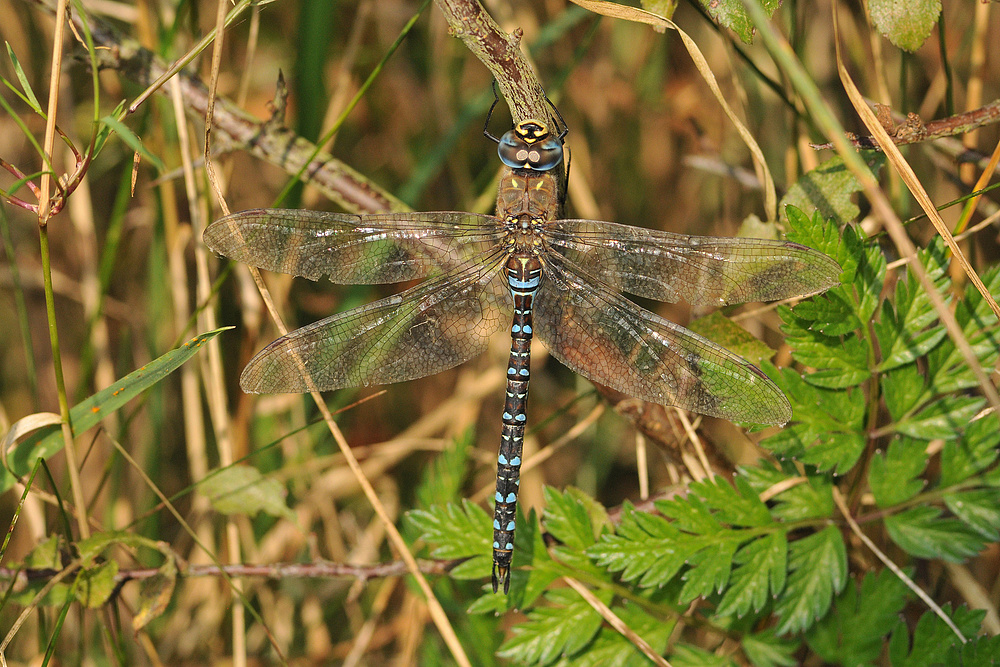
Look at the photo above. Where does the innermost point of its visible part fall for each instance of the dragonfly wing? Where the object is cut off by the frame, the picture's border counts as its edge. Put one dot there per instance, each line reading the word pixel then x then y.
pixel 434 326
pixel 352 249
pixel 611 341
pixel 702 270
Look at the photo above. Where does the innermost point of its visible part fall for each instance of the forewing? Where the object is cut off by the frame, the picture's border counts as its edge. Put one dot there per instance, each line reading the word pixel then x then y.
pixel 611 341
pixel 352 249
pixel 424 330
pixel 702 270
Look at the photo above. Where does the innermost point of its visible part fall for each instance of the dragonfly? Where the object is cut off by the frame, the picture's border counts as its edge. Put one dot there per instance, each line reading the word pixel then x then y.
pixel 525 268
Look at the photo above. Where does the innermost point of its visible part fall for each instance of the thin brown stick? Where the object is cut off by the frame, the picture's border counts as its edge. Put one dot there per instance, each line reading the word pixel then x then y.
pixel 913 130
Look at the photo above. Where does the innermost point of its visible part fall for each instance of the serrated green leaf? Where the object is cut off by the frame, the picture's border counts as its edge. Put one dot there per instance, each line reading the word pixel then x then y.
pixel 739 506
pixel 902 389
pixel 761 568
pixel 853 633
pixel 932 638
pixel 811 500
pixel 566 518
pixel 893 477
pixel 979 509
pixel 921 532
pixel 708 571
pixel 818 565
pixel 905 24
pixel 840 362
pixel 551 632
pixel 46 442
pixel 943 418
pixel 765 649
pixel 829 432
pixel 970 454
pixel 611 649
pixel 830 314
pixel 242 490
pixel 457 531
pixel 645 547
pixel 904 332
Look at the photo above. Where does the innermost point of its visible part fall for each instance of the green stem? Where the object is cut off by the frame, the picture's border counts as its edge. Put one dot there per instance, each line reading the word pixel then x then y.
pixel 67 426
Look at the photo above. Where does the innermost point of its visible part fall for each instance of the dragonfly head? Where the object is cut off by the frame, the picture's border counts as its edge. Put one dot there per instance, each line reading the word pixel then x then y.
pixel 530 145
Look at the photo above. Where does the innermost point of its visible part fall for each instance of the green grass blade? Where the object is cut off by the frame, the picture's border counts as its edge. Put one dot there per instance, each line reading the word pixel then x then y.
pixel 48 441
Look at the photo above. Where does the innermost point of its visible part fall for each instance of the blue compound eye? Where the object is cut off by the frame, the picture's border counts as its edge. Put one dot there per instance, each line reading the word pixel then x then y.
pixel 530 146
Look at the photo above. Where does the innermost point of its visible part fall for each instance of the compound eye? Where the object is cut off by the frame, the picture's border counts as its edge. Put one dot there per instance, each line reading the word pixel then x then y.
pixel 546 155
pixel 517 153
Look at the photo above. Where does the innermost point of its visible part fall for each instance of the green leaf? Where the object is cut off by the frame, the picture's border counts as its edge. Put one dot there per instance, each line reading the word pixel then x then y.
pixel 810 500
pixel 853 633
pixel 902 389
pixel 979 509
pixel 943 418
pixel 905 24
pixel 611 649
pixel 92 547
pixel 644 547
pixel 975 451
pixel 828 190
pixel 947 369
pixel 720 329
pixel 818 565
pixel 47 441
pixel 686 655
pixel 761 567
pixel 568 518
pixel 709 571
pixel 921 532
pixel 155 594
pixel 29 94
pixel 829 432
pixel 840 362
pixel 893 477
pixel 243 491
pixel 555 631
pixel 457 531
pixel 731 14
pixel 96 584
pixel 739 506
pixel 932 638
pixel 765 649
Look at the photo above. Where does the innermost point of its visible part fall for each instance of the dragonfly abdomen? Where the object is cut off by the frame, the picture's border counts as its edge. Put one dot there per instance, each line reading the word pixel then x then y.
pixel 524 272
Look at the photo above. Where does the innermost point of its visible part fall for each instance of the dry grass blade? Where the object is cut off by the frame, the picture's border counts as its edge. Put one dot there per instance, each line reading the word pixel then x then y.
pixel 615 622
pixel 838 498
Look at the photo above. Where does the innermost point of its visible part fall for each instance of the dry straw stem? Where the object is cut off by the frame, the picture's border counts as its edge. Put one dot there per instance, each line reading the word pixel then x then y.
pixel 616 622
pixel 912 585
